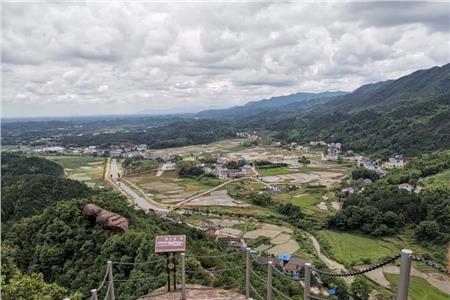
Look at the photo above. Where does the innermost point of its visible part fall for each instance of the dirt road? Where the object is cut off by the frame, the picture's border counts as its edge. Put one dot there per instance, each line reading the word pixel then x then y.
pixel 333 265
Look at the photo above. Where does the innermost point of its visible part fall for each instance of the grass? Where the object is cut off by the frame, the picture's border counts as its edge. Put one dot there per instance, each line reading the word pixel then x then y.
pixel 74 162
pixel 439 180
pixel 352 249
pixel 277 171
pixel 84 168
pixel 308 200
pixel 419 289
pixel 247 226
pixel 253 211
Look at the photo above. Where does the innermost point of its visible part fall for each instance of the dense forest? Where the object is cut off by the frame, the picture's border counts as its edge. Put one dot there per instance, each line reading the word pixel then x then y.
pixel 409 116
pixel 30 184
pixel 174 135
pixel 49 250
pixel 384 208
pixel 25 131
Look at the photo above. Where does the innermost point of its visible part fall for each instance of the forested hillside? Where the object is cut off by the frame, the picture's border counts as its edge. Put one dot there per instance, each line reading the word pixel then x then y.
pixel 302 100
pixel 16 164
pixel 180 133
pixel 50 250
pixel 407 116
pixel 30 184
pixel 71 252
pixel 384 208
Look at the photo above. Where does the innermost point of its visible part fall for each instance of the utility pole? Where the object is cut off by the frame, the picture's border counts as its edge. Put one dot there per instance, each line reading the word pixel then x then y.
pixel 111 280
pixel 269 280
pixel 307 287
pixel 405 270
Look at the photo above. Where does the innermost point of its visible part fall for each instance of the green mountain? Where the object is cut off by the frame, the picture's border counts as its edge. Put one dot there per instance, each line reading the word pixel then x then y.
pixel 274 103
pixel 407 116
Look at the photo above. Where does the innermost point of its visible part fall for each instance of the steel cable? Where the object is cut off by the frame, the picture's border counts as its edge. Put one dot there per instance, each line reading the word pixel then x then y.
pixel 284 274
pixel 213 256
pixel 256 292
pixel 104 280
pixel 139 263
pixel 140 278
pixel 215 271
pixel 256 260
pixel 280 293
pixel 107 291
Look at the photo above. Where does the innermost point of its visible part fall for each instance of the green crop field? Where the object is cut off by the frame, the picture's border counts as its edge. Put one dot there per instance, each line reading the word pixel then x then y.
pixel 352 249
pixel 87 169
pixel 419 289
pixel 74 162
pixel 276 171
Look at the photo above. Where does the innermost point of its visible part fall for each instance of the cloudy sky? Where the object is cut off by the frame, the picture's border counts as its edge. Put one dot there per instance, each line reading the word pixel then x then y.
pixel 86 58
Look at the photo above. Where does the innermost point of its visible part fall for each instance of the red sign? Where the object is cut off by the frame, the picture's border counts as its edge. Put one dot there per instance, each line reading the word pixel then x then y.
pixel 170 243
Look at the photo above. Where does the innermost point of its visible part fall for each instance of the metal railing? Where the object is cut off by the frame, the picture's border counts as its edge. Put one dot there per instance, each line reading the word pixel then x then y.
pixel 405 257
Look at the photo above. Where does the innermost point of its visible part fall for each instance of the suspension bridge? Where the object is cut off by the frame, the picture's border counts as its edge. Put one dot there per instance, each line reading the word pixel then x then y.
pixel 257 274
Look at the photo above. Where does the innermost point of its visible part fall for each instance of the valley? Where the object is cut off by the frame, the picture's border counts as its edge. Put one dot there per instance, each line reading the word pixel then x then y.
pixel 226 208
pixel 306 179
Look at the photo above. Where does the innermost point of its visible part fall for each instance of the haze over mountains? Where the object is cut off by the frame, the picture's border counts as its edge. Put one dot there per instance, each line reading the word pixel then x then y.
pixel 253 107
pixel 422 83
pixel 408 115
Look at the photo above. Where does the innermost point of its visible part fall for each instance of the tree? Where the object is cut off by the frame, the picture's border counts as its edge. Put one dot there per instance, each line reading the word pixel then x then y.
pixel 189 169
pixel 304 160
pixel 363 173
pixel 31 287
pixel 262 199
pixel 427 230
pixel 360 289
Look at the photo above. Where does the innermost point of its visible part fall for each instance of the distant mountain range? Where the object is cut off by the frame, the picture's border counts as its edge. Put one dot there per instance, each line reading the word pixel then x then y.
pixel 408 115
pixel 254 107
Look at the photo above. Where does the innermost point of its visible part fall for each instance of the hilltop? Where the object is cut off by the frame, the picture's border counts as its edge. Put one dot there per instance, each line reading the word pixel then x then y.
pixel 409 115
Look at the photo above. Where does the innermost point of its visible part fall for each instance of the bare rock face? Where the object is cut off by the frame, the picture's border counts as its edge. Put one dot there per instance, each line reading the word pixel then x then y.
pixel 105 218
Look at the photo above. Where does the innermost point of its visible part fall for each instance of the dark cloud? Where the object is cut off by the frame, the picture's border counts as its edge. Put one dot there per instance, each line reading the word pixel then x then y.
pixel 435 15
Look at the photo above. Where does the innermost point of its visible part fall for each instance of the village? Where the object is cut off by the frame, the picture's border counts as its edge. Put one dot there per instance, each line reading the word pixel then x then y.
pixel 217 199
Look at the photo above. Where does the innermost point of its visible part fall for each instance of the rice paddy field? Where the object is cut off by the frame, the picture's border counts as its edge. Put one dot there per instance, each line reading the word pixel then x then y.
pixel 87 169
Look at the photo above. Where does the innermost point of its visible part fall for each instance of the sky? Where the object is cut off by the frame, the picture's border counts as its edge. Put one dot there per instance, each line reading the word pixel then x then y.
pixel 93 58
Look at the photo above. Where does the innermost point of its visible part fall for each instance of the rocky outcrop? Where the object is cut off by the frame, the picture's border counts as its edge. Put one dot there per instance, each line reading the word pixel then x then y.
pixel 105 218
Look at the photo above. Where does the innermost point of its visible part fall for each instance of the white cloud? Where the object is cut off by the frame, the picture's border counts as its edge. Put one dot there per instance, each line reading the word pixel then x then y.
pixel 103 88
pixel 130 57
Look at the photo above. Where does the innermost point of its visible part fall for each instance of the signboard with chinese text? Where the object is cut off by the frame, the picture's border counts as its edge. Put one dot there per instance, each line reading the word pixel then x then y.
pixel 170 243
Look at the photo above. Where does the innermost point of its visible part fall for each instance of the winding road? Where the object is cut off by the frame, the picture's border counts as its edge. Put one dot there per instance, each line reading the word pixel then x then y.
pixel 333 265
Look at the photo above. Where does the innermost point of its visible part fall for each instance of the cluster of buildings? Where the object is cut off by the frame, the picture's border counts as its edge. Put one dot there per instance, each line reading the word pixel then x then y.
pixel 333 151
pixel 220 170
pixel 248 135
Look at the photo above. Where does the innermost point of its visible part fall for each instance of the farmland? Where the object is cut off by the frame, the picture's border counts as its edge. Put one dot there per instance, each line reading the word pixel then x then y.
pixel 352 249
pixel 419 289
pixel 83 168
